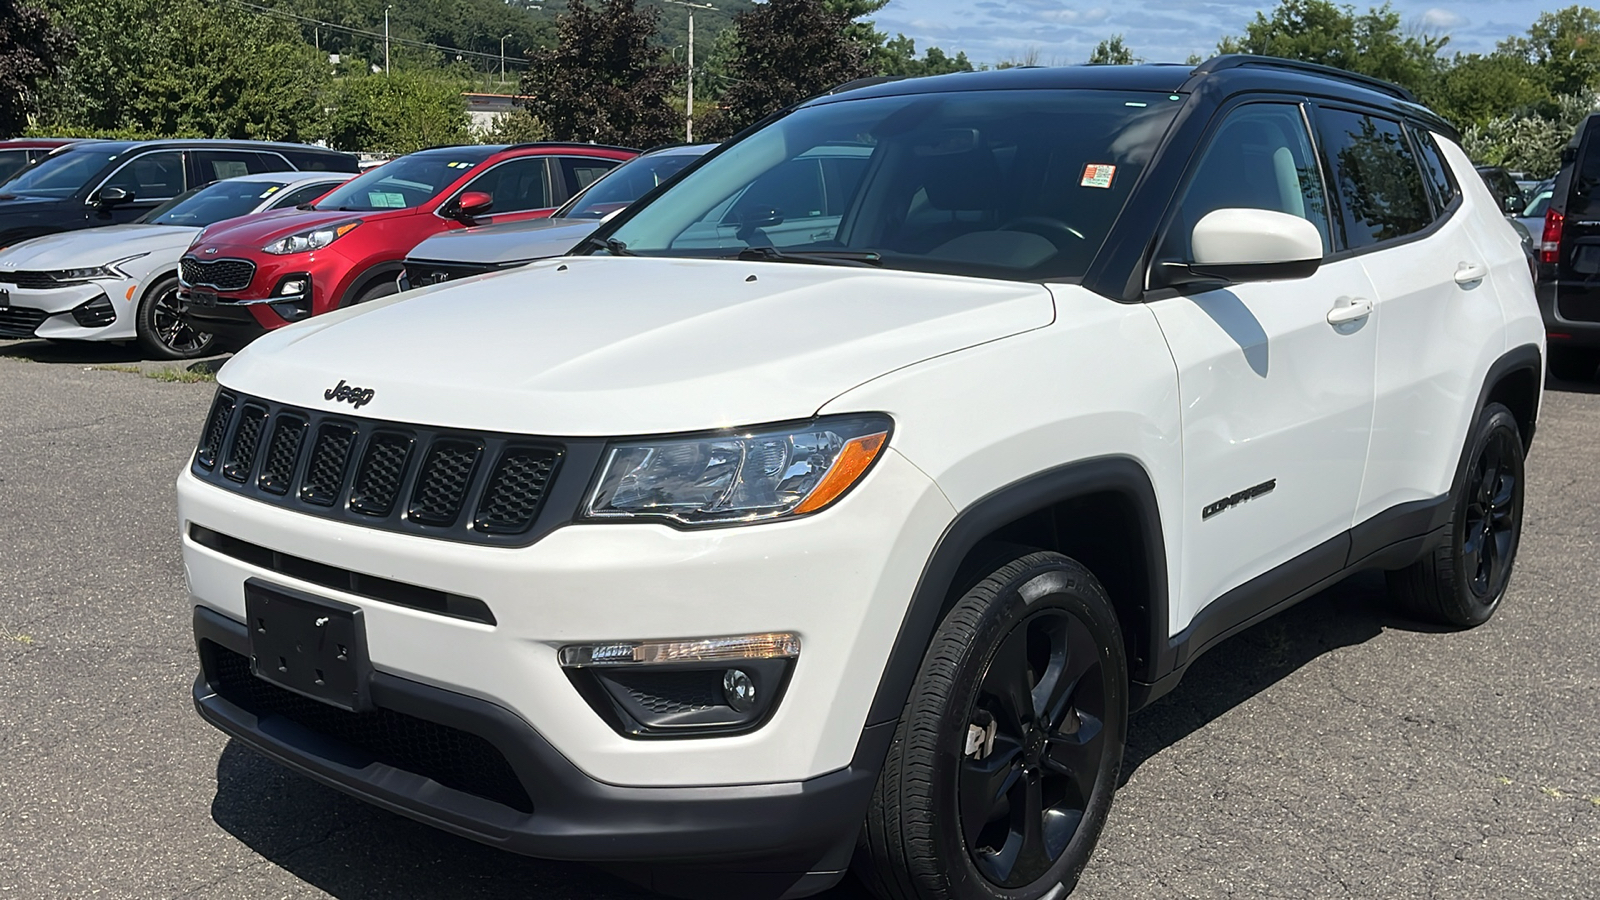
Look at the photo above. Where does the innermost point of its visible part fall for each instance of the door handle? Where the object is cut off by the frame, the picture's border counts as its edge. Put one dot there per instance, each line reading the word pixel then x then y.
pixel 1349 309
pixel 1467 273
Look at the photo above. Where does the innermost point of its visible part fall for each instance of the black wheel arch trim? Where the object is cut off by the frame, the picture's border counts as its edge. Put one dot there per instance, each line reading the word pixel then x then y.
pixel 370 276
pixel 1121 475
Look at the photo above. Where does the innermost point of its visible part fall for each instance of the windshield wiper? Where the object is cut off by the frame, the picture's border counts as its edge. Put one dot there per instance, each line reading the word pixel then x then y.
pixel 611 245
pixel 816 257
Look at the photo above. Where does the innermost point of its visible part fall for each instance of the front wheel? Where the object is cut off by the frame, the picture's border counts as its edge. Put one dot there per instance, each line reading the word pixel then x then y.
pixel 1460 584
pixel 161 329
pixel 1007 753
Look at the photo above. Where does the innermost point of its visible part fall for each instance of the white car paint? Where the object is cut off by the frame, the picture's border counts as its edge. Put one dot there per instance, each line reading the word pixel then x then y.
pixel 144 253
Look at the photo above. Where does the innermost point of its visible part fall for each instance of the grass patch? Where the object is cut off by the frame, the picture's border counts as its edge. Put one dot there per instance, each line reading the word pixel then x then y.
pixel 114 367
pixel 15 637
pixel 180 376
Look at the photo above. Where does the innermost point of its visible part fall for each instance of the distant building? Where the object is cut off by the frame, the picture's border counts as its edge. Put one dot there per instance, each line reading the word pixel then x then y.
pixel 483 108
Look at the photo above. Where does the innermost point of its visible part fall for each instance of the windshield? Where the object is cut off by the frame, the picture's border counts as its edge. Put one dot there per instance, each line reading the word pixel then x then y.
pixel 59 175
pixel 213 203
pixel 407 182
pixel 627 183
pixel 1007 184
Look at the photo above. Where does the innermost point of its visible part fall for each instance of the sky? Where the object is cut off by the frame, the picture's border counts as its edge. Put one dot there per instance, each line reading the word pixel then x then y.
pixel 1160 30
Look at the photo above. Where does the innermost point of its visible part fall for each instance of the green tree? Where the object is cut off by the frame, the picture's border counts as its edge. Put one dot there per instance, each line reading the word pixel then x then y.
pixel 515 127
pixel 183 67
pixel 1371 43
pixel 605 81
pixel 1565 46
pixel 398 112
pixel 31 49
pixel 786 51
pixel 898 56
pixel 1528 141
pixel 1112 52
pixel 1474 88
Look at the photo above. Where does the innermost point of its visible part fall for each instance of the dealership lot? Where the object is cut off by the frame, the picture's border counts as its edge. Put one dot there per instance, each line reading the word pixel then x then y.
pixel 1335 750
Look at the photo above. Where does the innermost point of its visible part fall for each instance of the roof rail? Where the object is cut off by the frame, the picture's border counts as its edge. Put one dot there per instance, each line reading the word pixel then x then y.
pixel 1241 60
pixel 861 83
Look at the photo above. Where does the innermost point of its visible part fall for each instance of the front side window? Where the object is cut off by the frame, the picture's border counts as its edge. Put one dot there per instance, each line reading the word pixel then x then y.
pixel 517 185
pixel 1261 157
pixel 213 203
pixel 407 182
pixel 150 176
pixel 1381 194
pixel 1019 184
pixel 60 174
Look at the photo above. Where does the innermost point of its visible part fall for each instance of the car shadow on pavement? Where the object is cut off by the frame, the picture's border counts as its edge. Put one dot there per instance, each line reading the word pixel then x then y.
pixel 1352 612
pixel 102 353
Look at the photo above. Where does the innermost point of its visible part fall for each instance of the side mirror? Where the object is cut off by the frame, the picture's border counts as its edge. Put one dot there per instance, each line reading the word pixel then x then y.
pixel 113 196
pixel 473 203
pixel 1240 245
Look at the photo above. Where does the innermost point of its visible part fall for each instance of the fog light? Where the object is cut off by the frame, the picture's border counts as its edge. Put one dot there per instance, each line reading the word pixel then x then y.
pixel 739 690
pixel 97 313
pixel 293 286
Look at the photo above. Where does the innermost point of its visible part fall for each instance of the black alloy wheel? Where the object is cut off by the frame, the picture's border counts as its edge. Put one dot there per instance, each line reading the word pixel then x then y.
pixel 1040 721
pixel 1006 757
pixel 1461 583
pixel 161 328
pixel 1492 514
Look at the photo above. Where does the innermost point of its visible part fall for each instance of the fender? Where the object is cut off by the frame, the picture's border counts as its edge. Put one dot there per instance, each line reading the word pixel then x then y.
pixel 1526 357
pixel 387 269
pixel 1111 474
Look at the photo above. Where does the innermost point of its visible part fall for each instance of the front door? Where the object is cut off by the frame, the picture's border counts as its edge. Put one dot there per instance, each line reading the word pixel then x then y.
pixel 1276 394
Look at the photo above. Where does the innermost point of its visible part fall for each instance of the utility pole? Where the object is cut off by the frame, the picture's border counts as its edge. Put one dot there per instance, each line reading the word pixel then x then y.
pixel 386 41
pixel 688 101
pixel 503 59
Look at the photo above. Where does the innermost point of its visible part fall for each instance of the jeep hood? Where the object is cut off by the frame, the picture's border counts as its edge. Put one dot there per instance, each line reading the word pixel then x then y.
pixel 95 246
pixel 595 346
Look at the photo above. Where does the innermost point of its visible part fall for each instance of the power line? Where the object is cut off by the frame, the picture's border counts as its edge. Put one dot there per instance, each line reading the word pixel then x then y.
pixel 283 14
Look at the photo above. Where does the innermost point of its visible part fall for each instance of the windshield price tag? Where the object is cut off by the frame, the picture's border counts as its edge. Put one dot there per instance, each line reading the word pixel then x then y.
pixel 1098 175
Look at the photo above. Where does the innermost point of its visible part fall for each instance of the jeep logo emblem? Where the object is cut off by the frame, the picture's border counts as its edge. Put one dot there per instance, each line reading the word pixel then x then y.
pixel 344 393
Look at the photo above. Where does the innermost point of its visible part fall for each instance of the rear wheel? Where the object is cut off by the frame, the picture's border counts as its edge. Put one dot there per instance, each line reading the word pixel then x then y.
pixel 1460 583
pixel 162 331
pixel 1006 756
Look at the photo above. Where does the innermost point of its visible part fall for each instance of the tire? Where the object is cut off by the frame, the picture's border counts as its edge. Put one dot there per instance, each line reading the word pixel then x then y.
pixel 1574 363
pixel 382 287
pixel 1460 584
pixel 161 331
pixel 932 832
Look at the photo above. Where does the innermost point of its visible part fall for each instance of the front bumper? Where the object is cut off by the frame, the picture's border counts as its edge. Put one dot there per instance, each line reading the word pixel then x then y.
pixel 232 323
pixel 105 311
pixel 786 829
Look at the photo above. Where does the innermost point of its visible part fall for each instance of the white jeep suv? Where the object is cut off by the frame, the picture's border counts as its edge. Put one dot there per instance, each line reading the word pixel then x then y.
pixel 841 501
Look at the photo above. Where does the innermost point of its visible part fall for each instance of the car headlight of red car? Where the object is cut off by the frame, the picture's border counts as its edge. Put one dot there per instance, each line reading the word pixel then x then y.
pixel 311 239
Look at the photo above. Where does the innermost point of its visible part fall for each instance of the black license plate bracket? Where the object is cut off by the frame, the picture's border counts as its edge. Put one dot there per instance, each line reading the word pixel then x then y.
pixel 202 298
pixel 313 646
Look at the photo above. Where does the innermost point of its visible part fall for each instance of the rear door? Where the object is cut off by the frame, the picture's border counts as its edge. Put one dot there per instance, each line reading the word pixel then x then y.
pixel 1276 397
pixel 1405 220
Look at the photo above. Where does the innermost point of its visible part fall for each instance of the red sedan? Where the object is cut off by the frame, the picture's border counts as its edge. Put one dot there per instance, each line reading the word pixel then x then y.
pixel 246 276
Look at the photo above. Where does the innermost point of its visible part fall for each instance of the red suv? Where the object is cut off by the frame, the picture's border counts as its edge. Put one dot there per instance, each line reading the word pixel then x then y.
pixel 246 276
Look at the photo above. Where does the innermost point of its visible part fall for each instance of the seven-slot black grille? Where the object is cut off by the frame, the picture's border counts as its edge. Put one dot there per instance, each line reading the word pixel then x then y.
pixel 18 321
pixel 222 274
pixel 454 758
pixel 479 487
pixel 34 281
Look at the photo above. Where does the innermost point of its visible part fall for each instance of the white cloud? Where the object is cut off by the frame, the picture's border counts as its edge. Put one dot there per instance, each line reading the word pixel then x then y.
pixel 1442 18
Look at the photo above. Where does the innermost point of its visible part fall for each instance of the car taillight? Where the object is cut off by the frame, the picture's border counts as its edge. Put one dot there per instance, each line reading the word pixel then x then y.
pixel 1550 243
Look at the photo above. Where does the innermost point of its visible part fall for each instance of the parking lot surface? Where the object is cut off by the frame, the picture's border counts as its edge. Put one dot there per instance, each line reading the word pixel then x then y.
pixel 1337 750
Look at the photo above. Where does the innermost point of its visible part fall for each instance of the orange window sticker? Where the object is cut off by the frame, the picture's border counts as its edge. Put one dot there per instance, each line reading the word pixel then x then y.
pixel 1098 175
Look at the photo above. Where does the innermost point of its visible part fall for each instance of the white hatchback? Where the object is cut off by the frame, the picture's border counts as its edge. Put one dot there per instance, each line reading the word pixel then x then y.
pixel 120 282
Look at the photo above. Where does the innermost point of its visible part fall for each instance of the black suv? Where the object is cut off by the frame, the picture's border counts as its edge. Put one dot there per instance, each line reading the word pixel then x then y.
pixel 111 182
pixel 1569 257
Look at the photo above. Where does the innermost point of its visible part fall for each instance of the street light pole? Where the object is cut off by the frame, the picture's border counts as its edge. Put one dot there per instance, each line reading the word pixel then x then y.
pixel 503 59
pixel 386 41
pixel 688 100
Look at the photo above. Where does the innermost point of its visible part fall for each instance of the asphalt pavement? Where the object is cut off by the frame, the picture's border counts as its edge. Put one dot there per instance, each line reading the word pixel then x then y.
pixel 1337 750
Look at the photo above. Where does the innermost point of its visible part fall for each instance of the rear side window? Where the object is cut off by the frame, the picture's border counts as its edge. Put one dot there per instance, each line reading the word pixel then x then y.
pixel 215 165
pixel 582 171
pixel 1440 185
pixel 1260 158
pixel 1379 184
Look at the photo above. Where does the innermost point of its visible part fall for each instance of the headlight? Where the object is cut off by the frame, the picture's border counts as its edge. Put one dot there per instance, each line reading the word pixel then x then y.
pixel 312 239
pixel 90 273
pixel 764 474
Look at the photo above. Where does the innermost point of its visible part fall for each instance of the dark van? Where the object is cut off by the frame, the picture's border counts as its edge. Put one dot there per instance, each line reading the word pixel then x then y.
pixel 94 183
pixel 1569 257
